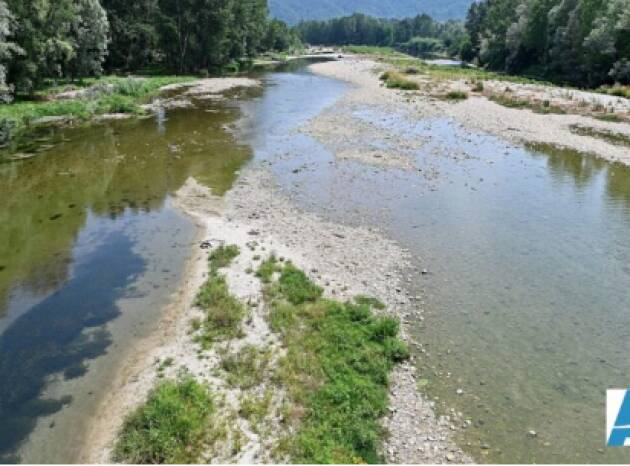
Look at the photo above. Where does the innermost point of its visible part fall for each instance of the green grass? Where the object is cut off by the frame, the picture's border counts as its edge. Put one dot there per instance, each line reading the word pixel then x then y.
pixel 371 50
pixel 456 95
pixel 396 80
pixel 514 102
pixel 338 357
pixel 617 139
pixel 170 427
pixel 125 97
pixel 223 312
pixel 246 368
pixel 617 90
pixel 267 269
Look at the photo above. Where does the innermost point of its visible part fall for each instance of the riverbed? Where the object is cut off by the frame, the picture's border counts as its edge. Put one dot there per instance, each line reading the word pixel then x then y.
pixel 517 278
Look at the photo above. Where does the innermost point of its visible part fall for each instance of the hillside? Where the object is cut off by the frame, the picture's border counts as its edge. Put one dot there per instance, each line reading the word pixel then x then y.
pixel 292 11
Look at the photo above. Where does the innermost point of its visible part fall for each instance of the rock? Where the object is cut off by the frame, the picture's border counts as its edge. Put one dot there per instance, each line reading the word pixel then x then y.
pixel 460 391
pixel 450 457
pixel 532 433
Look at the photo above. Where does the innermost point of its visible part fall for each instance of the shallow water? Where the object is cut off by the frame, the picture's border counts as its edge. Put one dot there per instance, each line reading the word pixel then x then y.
pixel 527 254
pixel 91 250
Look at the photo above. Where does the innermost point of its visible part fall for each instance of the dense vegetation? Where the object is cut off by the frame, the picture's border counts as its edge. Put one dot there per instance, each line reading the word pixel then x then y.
pixel 581 42
pixel 55 39
pixel 294 11
pixel 336 367
pixel 417 35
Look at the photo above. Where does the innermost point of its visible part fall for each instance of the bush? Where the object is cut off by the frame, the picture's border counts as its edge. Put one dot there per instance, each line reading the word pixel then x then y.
pixel 396 80
pixel 456 95
pixel 169 428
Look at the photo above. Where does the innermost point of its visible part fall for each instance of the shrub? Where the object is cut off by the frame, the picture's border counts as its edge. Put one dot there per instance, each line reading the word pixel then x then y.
pixel 456 95
pixel 169 428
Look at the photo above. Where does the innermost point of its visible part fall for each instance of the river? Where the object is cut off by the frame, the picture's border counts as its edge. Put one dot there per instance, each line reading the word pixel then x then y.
pixel 527 253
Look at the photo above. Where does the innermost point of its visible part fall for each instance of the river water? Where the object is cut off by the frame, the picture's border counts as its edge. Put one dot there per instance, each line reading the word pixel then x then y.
pixel 528 252
pixel 91 250
pixel 526 299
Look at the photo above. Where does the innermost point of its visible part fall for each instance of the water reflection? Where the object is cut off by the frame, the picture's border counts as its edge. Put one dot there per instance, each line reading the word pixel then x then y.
pixel 105 170
pixel 79 224
pixel 60 335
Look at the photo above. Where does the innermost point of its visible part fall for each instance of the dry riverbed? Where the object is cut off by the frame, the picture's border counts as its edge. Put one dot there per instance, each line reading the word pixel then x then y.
pixel 477 112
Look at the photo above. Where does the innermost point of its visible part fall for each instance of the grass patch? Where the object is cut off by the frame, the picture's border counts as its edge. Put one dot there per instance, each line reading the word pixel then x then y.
pixel 369 301
pixel 223 312
pixel 170 427
pixel 246 368
pixel 338 357
pixel 222 257
pixel 609 117
pixel 255 408
pixel 617 90
pixel 617 139
pixel 110 94
pixel 509 101
pixel 267 269
pixel 396 80
pixel 455 95
pixel 371 50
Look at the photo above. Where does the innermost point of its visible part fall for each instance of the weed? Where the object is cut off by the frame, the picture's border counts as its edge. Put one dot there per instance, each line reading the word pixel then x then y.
pixel 224 312
pixel 170 427
pixel 456 95
pixel 267 269
pixel 255 408
pixel 396 80
pixel 246 368
pixel 222 257
pixel 338 356
pixel 369 301
pixel 297 287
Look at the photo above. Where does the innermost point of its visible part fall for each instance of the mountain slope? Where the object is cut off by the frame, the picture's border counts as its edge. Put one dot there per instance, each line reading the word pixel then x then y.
pixel 292 11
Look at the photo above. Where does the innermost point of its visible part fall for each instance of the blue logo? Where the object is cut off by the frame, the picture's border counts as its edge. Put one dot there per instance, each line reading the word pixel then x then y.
pixel 618 418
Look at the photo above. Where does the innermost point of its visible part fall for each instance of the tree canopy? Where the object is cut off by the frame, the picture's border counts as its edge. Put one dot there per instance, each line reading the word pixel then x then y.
pixel 44 39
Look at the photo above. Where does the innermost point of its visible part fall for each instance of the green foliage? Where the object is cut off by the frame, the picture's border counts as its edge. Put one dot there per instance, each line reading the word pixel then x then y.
pixel 245 368
pixel 419 35
pixel 17 116
pixel 267 269
pixel 456 95
pixel 60 39
pixel 396 80
pixel 369 301
pixel 581 42
pixel 222 257
pixel 336 371
pixel 297 287
pixel 169 428
pixel 223 312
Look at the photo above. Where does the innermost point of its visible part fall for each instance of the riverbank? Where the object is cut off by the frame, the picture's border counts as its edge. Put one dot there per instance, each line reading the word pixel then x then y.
pixel 107 98
pixel 258 218
pixel 475 110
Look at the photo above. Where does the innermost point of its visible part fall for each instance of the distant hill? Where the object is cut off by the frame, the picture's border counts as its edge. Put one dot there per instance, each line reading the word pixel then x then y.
pixel 293 11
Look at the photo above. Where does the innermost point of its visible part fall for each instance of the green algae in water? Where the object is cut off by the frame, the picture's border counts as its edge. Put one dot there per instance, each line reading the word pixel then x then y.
pixel 617 139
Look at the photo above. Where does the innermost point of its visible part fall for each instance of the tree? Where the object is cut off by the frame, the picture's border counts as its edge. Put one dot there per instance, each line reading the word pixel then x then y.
pixel 8 50
pixel 89 31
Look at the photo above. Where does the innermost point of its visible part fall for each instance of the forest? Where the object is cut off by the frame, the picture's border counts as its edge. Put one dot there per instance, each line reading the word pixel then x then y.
pixel 418 35
pixel 59 39
pixel 578 42
pixel 583 43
